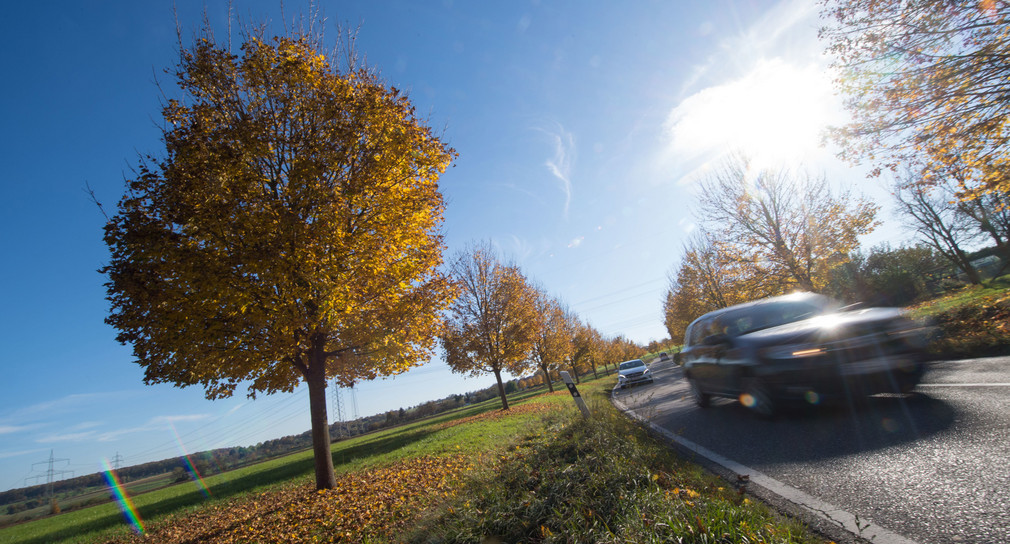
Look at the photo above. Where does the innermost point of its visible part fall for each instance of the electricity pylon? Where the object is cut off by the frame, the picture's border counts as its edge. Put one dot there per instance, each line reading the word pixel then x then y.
pixel 343 428
pixel 50 474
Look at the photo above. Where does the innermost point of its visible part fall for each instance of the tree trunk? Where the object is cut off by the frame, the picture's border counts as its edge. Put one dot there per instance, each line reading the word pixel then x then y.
pixel 576 374
pixel 547 373
pixel 501 390
pixel 964 263
pixel 316 380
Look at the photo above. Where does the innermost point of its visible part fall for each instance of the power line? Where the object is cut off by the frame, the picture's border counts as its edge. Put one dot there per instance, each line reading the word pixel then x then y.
pixel 279 410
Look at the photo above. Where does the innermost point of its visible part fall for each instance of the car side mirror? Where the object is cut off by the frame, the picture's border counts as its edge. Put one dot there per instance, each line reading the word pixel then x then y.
pixel 676 359
pixel 715 339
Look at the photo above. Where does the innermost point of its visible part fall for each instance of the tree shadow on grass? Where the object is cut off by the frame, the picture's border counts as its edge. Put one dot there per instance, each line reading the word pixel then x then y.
pixel 378 446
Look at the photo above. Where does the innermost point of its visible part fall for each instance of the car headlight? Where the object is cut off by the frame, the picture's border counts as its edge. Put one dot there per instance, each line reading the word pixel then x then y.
pixel 793 351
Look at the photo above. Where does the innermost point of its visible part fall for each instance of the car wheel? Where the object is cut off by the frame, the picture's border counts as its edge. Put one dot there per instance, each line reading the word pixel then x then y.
pixel 908 380
pixel 757 398
pixel 700 397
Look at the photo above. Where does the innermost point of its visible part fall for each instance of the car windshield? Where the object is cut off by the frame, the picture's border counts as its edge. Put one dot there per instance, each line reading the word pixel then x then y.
pixel 773 314
pixel 631 364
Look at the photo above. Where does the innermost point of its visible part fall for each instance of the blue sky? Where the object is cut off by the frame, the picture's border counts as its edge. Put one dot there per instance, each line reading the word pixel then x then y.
pixel 579 126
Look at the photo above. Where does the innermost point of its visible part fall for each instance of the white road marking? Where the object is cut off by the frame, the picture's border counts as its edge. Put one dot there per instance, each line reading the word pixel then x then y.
pixel 964 385
pixel 829 512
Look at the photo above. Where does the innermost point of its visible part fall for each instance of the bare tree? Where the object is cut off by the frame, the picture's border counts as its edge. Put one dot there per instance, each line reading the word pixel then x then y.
pixel 936 215
pixel 786 227
pixel 991 213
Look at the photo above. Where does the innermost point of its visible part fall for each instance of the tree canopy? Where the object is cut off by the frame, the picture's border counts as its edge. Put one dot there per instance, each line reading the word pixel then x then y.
pixel 926 84
pixel 552 336
pixel 289 233
pixel 785 228
pixel 763 233
pixel 492 324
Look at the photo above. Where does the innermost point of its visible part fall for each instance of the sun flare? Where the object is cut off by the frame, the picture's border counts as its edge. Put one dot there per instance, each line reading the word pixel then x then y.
pixel 774 114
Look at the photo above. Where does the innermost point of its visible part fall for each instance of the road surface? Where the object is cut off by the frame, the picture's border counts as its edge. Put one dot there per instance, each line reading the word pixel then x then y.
pixel 931 467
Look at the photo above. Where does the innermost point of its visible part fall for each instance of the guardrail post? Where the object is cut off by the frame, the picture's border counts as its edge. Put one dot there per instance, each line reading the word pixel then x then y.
pixel 579 401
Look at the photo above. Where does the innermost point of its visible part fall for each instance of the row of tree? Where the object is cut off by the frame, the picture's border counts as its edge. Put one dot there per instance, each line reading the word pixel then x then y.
pixel 503 322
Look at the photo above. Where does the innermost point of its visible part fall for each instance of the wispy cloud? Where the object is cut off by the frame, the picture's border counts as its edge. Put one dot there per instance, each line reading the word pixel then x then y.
pixel 560 165
pixel 88 432
pixel 70 403
pixel 8 429
pixel 86 425
pixel 518 189
pixel 162 420
pixel 66 437
pixel 9 454
pixel 234 409
pixel 787 29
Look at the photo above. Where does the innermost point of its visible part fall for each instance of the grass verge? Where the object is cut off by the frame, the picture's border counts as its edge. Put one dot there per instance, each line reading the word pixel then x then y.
pixel 601 479
pixel 970 322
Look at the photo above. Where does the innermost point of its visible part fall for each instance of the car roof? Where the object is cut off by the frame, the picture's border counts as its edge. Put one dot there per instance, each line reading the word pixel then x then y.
pixel 760 302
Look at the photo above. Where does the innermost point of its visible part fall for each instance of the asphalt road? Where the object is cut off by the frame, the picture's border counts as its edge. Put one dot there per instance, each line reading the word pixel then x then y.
pixel 933 467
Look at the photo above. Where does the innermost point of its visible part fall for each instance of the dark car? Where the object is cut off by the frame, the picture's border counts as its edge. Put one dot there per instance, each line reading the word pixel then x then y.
pixel 803 347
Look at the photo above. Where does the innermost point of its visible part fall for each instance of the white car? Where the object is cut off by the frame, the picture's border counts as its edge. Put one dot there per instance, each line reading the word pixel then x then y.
pixel 632 372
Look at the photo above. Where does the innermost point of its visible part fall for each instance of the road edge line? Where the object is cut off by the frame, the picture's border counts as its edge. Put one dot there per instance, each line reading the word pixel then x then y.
pixel 860 528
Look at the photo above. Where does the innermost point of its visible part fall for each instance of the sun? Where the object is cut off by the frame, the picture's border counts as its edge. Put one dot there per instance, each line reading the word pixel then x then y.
pixel 775 114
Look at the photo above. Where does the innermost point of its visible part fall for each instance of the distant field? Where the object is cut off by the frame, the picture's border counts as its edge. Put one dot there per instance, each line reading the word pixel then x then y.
pixel 445 477
pixel 355 454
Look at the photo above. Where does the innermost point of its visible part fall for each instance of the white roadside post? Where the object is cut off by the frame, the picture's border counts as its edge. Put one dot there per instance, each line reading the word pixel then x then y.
pixel 575 394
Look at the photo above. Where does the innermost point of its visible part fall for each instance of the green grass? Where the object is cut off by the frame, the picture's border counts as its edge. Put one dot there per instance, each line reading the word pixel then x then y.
pixel 601 479
pixel 970 322
pixel 969 295
pixel 389 445
pixel 555 476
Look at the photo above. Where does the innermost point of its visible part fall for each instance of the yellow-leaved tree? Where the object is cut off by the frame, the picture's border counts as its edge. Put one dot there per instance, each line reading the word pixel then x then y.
pixel 710 276
pixel 552 336
pixel 289 233
pixel 491 325
pixel 926 84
